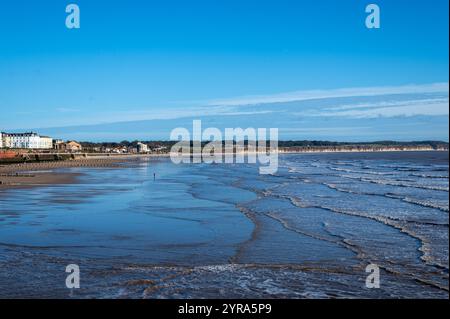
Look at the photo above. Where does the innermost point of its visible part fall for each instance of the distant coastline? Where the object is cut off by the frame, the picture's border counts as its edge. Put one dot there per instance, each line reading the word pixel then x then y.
pixel 37 169
pixel 162 148
pixel 361 149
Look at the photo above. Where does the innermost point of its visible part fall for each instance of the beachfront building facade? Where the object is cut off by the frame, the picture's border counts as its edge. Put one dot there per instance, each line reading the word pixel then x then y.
pixel 45 142
pixel 29 140
pixel 70 146
pixel 141 147
pixel 73 147
pixel 58 144
pixel 21 140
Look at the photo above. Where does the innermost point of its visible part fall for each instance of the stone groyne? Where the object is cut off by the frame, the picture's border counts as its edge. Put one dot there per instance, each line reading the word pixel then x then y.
pixel 11 157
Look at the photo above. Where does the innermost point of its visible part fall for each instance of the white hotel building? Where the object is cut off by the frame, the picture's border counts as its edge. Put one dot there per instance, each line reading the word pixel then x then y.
pixel 25 140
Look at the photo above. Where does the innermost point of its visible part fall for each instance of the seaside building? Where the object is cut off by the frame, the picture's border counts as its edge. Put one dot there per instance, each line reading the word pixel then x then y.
pixel 141 147
pixel 57 144
pixel 73 146
pixel 28 140
pixel 45 142
pixel 120 150
pixel 159 149
pixel 70 146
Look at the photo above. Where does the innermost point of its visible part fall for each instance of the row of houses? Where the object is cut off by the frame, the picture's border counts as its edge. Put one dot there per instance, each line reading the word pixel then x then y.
pixel 139 148
pixel 32 140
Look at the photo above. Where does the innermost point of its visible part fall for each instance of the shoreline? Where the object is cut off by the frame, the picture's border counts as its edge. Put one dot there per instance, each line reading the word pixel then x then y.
pixel 24 175
pixel 111 161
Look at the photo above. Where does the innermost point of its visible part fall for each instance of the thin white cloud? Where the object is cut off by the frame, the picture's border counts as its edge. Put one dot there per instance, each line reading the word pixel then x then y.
pixel 425 99
pixel 325 132
pixel 178 113
pixel 332 93
pixel 381 104
pixel 425 109
pixel 324 129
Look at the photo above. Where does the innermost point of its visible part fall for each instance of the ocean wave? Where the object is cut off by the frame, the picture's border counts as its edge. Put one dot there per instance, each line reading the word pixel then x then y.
pixel 266 281
pixel 425 175
pixel 359 172
pixel 397 183
pixel 421 202
pixel 401 224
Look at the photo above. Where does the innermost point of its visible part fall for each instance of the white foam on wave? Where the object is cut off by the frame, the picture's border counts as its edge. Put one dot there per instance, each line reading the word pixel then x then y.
pixel 397 183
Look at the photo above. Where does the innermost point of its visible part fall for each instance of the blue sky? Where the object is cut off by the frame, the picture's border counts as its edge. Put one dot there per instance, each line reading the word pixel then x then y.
pixel 311 68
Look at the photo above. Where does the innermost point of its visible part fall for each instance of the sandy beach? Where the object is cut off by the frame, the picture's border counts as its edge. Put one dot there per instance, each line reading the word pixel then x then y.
pixel 38 174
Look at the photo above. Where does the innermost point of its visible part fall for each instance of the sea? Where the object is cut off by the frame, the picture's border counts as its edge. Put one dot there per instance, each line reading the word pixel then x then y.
pixel 322 226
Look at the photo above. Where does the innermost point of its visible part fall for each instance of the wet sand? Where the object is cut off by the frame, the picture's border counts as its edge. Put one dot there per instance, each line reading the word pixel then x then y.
pixel 31 174
pixel 8 181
